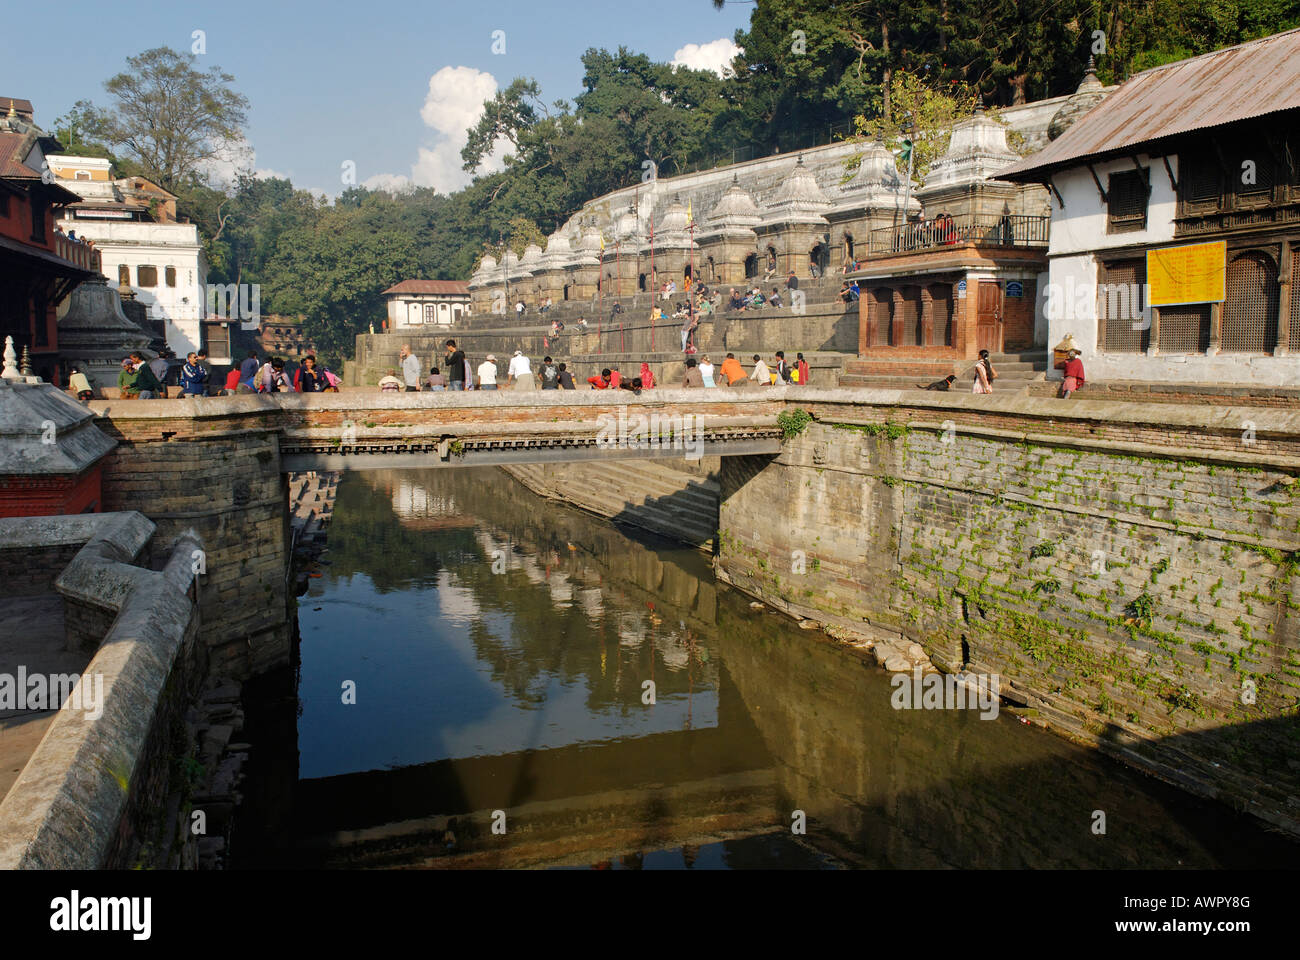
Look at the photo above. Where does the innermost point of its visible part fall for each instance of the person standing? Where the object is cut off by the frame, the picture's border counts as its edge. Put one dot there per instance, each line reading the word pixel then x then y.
pixel 147 384
pixel 984 374
pixel 1072 367
pixel 782 369
pixel 410 370
pixel 706 372
pixel 202 357
pixel 802 366
pixel 520 373
pixel 455 364
pixel 160 367
pixel 688 327
pixel 550 375
pixel 248 369
pixel 307 379
pixel 194 379
pixel 487 373
pixel 232 382
pixel 760 374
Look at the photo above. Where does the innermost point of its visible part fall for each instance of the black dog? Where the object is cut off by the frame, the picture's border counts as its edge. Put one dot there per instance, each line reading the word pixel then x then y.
pixel 944 384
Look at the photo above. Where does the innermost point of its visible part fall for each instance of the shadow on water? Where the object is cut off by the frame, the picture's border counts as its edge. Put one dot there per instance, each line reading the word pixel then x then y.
pixel 500 646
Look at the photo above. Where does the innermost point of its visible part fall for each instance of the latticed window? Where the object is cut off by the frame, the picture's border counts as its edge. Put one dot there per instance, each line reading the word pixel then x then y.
pixel 1295 300
pixel 1121 297
pixel 1250 312
pixel 1201 178
pixel 911 333
pixel 430 313
pixel 1252 170
pixel 1126 201
pixel 1184 328
pixel 941 313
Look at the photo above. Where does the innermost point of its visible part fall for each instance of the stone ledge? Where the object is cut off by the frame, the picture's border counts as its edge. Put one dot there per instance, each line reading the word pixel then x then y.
pixel 65 810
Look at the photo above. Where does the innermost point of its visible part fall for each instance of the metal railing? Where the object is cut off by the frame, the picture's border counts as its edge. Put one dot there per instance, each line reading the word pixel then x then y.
pixel 946 231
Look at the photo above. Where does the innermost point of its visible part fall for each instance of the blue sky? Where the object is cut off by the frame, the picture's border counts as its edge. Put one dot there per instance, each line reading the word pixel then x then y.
pixel 330 82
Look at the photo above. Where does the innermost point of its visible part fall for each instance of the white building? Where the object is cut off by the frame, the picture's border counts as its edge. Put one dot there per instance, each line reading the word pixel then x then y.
pixel 132 222
pixel 417 303
pixel 1174 241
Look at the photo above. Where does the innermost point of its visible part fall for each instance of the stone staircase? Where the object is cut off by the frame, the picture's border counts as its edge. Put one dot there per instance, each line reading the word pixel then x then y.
pixel 653 496
pixel 1016 371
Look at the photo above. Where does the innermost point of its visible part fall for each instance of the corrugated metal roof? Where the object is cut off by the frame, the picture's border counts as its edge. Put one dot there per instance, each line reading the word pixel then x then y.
pixel 1237 83
pixel 430 286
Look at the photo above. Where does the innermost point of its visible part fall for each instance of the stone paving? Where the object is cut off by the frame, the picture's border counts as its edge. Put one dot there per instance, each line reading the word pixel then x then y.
pixel 31 636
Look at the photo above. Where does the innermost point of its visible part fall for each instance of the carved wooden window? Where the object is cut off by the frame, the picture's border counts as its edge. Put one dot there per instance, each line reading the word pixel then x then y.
pixel 1202 180
pixel 1184 328
pixel 1250 312
pixel 146 276
pixel 1121 297
pixel 1126 201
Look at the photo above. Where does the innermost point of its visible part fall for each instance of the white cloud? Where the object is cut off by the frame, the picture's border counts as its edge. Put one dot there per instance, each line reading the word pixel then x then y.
pixel 266 173
pixel 715 55
pixel 452 104
pixel 232 160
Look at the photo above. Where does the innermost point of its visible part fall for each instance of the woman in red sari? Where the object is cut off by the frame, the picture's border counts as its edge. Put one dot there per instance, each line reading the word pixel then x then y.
pixel 647 378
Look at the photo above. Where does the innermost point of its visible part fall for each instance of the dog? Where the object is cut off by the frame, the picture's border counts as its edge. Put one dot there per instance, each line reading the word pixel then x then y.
pixel 944 384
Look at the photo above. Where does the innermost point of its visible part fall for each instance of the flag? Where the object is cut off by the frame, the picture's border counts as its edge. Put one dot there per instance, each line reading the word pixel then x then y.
pixel 602 243
pixel 689 216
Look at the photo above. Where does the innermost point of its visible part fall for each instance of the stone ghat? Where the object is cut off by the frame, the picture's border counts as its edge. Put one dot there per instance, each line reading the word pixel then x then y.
pixel 1128 571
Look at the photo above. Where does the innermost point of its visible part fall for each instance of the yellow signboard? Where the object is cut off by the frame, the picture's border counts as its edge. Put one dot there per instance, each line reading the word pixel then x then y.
pixel 1191 274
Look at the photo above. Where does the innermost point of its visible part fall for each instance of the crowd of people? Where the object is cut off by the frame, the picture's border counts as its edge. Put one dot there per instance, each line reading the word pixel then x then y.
pixel 456 371
pixel 143 379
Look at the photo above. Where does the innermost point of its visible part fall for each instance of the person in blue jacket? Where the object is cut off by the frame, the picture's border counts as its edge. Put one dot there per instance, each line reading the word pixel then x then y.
pixel 194 379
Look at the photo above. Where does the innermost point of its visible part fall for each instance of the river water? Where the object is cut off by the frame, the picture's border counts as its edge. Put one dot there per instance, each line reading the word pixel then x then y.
pixel 489 679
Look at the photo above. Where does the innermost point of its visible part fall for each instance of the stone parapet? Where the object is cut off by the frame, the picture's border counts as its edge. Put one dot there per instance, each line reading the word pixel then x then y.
pixel 92 792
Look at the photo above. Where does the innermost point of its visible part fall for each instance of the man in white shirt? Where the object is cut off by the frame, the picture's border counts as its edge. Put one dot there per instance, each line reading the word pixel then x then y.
pixel 760 373
pixel 487 373
pixel 410 370
pixel 521 372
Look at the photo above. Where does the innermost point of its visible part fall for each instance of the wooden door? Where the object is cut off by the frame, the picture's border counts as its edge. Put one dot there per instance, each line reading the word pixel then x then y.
pixel 988 317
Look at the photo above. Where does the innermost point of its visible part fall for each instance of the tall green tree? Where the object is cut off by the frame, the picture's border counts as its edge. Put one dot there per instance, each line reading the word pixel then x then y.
pixel 170 118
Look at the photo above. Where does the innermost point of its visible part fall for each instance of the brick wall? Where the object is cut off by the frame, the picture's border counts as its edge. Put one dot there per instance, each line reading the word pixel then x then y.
pixel 1129 598
pixel 220 478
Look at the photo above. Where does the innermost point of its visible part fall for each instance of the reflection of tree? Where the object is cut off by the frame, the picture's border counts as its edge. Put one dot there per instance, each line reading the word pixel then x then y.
pixel 366 537
pixel 533 628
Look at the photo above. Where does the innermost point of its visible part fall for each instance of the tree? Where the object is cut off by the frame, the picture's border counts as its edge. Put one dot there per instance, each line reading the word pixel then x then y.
pixel 170 118
pixel 919 118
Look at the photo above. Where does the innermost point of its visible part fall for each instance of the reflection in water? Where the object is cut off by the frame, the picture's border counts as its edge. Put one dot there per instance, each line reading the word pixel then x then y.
pixel 478 658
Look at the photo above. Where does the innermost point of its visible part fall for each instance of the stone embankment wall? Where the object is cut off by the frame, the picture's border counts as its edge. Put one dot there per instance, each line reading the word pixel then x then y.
pixel 675 499
pixel 1129 572
pixel 212 466
pixel 825 328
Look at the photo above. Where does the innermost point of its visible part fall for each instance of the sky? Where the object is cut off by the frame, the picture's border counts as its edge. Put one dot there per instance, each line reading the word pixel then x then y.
pixel 381 90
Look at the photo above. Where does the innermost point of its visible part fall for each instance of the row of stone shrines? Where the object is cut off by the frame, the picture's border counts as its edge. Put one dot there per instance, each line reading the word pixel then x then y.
pixel 806 214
